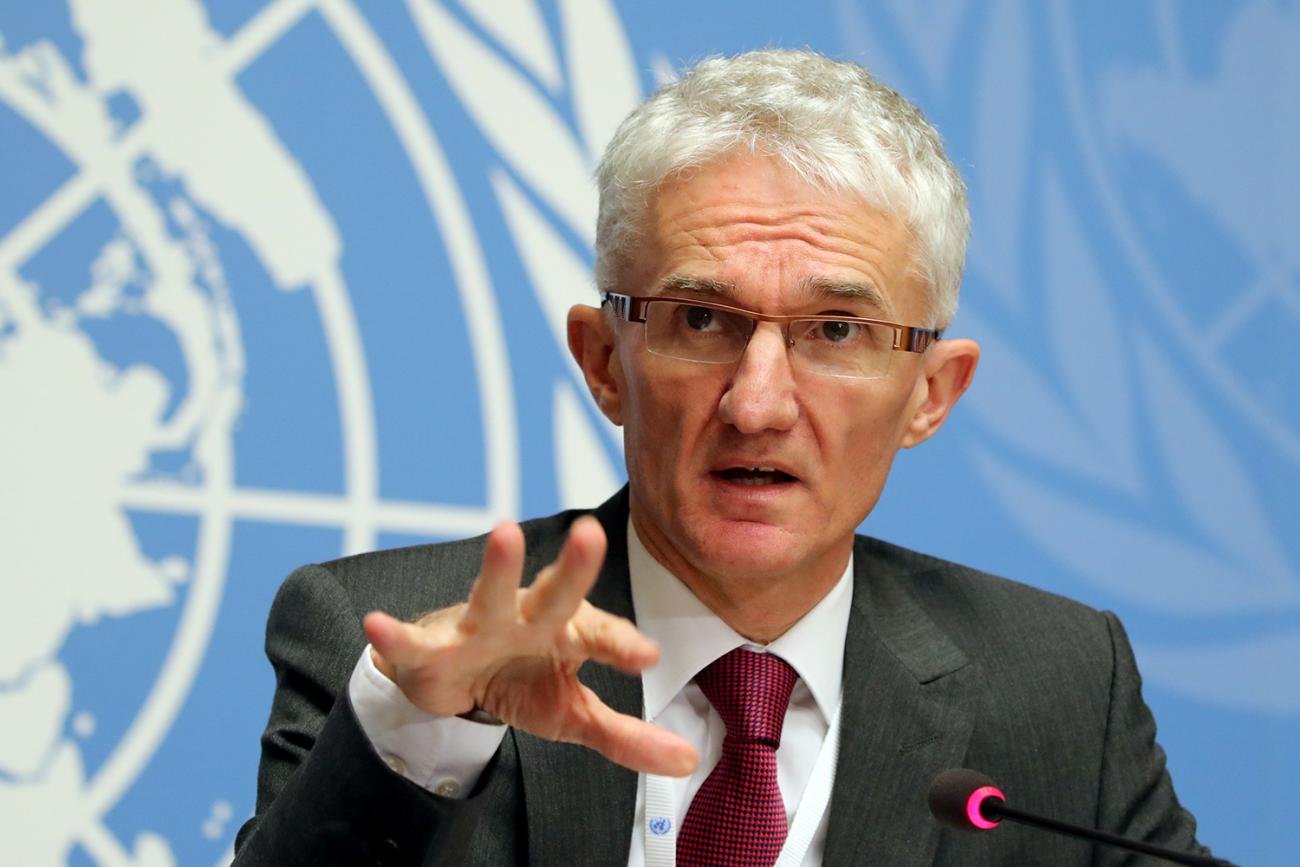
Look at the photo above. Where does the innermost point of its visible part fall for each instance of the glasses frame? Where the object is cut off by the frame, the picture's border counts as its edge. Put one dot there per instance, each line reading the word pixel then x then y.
pixel 633 308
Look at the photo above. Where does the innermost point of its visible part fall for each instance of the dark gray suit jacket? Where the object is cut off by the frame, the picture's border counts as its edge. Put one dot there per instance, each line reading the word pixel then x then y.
pixel 944 667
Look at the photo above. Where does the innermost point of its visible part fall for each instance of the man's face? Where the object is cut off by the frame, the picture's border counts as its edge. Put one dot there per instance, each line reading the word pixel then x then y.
pixel 692 431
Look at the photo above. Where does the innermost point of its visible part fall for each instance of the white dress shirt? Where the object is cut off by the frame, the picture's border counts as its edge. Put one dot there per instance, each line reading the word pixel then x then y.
pixel 690 637
pixel 447 755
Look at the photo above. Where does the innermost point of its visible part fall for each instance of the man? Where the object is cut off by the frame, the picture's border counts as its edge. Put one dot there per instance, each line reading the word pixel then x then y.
pixel 779 247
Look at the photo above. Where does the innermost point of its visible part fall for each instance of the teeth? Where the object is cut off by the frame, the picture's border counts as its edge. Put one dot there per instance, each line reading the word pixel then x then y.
pixel 754 475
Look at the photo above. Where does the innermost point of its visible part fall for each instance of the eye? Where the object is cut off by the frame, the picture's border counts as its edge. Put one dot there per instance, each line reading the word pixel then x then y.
pixel 839 331
pixel 697 318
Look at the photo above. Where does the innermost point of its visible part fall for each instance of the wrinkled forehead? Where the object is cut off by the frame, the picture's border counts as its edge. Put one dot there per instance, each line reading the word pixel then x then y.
pixel 749 229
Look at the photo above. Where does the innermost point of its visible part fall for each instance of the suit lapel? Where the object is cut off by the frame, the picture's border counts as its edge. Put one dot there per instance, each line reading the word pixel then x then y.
pixel 580 805
pixel 907 715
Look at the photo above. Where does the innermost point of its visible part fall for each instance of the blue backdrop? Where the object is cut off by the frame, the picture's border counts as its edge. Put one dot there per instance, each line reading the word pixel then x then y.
pixel 282 280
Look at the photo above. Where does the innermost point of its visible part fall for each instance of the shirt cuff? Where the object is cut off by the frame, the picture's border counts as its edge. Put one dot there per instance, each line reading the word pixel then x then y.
pixel 445 755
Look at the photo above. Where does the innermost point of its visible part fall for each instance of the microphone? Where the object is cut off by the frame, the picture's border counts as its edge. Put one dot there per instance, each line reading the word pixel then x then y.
pixel 968 800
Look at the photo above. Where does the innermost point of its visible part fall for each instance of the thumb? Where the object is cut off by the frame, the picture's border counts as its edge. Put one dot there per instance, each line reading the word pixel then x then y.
pixel 631 742
pixel 391 640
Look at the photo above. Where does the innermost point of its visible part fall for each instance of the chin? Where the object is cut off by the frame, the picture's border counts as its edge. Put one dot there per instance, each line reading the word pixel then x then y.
pixel 749 548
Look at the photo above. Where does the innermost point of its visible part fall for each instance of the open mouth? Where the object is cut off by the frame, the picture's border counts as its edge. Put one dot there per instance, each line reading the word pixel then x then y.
pixel 755 475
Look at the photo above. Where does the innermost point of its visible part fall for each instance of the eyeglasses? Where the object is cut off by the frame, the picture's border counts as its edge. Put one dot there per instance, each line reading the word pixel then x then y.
pixel 702 331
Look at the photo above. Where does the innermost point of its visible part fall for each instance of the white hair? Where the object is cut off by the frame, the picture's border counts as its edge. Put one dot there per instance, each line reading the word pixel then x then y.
pixel 831 122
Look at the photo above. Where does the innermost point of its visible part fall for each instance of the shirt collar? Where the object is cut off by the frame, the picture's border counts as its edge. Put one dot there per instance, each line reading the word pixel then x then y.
pixel 690 636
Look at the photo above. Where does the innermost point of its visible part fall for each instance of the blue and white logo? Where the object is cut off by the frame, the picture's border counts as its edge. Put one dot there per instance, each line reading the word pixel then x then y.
pixel 247 320
pixel 285 279
pixel 1122 443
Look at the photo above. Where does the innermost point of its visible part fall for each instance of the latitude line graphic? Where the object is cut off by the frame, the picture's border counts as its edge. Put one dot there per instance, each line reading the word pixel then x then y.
pixel 308 509
pixel 1270 286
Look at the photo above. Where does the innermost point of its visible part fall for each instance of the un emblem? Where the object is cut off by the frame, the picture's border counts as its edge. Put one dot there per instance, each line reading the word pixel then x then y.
pixel 226 274
pixel 1130 400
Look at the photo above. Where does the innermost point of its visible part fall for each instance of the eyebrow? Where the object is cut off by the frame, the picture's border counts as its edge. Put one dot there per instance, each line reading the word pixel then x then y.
pixel 864 293
pixel 818 287
pixel 680 283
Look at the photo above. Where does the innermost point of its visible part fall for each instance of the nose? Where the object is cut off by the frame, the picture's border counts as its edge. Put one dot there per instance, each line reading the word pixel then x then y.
pixel 761 394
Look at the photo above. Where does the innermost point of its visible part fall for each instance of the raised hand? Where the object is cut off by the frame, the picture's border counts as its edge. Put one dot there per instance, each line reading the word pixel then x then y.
pixel 515 652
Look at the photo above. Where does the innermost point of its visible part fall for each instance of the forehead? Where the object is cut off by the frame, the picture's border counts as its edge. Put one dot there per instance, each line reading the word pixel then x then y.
pixel 750 228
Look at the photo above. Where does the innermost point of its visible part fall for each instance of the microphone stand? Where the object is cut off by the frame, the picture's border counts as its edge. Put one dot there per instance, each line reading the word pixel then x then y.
pixel 994 808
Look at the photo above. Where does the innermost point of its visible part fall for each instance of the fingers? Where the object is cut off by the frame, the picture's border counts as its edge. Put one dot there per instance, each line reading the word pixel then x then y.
pixel 394 642
pixel 560 587
pixel 612 640
pixel 492 599
pixel 631 742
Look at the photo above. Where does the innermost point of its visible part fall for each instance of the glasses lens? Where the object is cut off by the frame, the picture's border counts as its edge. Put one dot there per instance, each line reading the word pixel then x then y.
pixel 694 332
pixel 842 348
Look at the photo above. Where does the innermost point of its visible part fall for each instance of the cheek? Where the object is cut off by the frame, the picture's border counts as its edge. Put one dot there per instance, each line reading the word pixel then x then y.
pixel 872 426
pixel 668 415
pixel 865 451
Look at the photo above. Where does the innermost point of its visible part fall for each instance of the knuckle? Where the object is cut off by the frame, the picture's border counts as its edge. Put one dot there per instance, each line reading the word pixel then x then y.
pixel 529 605
pixel 439 615
pixel 600 630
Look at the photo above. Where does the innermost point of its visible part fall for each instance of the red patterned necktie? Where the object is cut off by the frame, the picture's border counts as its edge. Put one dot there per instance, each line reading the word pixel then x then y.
pixel 737 818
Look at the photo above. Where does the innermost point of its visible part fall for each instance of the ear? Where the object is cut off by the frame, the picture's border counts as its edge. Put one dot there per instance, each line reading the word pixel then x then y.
pixel 949 367
pixel 591 340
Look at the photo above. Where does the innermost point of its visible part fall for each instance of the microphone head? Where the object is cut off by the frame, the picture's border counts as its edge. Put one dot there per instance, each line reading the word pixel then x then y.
pixel 956 796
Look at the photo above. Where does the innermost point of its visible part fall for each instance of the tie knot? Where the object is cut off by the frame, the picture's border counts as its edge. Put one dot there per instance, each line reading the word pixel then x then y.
pixel 751 692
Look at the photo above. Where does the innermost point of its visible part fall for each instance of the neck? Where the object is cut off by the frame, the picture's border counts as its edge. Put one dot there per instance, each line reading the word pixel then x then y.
pixel 762 608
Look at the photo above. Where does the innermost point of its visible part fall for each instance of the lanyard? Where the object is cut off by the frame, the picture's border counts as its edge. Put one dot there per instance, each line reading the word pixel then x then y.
pixel 661 816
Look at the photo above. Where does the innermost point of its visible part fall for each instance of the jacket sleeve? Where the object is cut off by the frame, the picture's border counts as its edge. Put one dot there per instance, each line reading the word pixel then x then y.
pixel 1136 797
pixel 323 794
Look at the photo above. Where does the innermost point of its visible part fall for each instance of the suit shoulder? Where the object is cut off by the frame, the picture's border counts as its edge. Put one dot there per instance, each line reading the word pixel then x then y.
pixel 977 607
pixel 928 569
